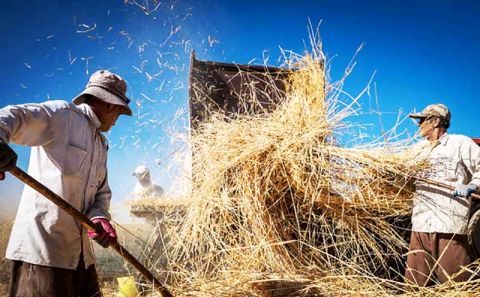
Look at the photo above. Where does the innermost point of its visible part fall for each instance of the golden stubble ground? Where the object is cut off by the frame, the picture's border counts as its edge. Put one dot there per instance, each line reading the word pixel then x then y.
pixel 5 228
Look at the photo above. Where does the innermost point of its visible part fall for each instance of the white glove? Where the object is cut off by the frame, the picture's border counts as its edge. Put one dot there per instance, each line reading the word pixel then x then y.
pixel 462 190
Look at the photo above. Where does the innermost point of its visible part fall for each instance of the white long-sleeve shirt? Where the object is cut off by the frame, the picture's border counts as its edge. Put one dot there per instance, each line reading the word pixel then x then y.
pixel 148 190
pixel 68 156
pixel 454 159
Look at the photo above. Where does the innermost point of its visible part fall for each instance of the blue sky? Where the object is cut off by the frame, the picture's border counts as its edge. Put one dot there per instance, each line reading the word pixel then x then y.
pixel 421 52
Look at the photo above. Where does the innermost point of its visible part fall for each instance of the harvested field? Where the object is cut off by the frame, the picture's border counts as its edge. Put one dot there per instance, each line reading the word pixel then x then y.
pixel 5 228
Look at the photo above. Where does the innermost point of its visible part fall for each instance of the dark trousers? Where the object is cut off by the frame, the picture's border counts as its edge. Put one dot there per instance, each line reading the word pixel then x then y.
pixel 436 257
pixel 30 280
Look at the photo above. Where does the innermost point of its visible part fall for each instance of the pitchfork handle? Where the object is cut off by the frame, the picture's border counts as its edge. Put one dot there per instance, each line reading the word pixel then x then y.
pixel 445 186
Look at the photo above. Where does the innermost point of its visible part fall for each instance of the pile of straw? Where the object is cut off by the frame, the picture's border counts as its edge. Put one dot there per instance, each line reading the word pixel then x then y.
pixel 280 208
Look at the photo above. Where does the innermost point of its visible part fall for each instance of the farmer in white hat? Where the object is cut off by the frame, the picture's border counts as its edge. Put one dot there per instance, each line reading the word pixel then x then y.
pixel 51 253
pixel 439 245
pixel 144 187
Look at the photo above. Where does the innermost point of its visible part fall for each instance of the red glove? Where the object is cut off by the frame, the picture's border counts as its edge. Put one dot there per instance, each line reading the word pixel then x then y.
pixel 2 175
pixel 105 238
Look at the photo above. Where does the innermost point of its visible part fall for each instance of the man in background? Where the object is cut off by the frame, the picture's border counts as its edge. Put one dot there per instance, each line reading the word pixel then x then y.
pixel 145 188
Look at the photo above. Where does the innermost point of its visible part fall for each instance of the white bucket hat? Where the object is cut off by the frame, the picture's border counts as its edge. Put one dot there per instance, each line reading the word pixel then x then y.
pixel 109 88
pixel 141 170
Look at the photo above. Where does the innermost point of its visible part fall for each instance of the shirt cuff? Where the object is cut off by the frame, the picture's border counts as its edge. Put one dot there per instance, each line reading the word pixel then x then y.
pixel 475 182
pixel 98 213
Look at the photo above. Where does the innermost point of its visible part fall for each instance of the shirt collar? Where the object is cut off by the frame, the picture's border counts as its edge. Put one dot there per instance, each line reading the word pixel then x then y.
pixel 444 138
pixel 91 116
